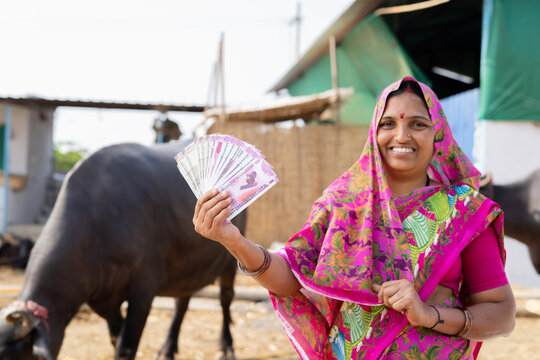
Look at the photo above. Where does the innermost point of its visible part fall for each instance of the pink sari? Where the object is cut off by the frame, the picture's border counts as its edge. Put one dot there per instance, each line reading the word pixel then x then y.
pixel 358 234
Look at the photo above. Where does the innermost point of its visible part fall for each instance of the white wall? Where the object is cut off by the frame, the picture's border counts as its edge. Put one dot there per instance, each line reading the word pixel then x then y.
pixel 510 149
pixel 31 155
pixel 26 204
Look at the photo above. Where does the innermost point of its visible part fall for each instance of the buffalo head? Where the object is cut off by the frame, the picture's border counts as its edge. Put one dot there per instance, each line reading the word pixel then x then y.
pixel 486 186
pixel 23 334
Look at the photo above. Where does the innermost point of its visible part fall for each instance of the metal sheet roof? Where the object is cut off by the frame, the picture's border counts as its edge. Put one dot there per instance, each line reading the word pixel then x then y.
pixel 33 101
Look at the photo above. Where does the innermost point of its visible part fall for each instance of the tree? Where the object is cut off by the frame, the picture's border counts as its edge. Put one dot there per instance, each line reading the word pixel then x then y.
pixel 66 155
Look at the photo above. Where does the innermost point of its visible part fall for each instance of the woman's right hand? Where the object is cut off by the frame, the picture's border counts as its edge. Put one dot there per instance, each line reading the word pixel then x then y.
pixel 211 211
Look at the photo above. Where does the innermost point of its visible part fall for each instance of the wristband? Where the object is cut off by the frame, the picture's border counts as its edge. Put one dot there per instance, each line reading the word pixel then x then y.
pixel 439 320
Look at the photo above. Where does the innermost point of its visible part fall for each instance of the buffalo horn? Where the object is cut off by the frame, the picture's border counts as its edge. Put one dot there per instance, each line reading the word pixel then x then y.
pixel 485 180
pixel 22 322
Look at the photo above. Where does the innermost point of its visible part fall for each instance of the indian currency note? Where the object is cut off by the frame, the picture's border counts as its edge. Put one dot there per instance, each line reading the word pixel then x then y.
pixel 186 176
pixel 235 166
pixel 221 163
pixel 191 163
pixel 250 185
pixel 216 153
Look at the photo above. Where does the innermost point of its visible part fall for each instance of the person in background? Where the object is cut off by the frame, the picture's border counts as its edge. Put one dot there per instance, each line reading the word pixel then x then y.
pixel 401 257
pixel 168 128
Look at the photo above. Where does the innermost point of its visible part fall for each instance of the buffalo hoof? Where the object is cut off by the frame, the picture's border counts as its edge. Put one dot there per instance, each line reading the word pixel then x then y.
pixel 125 354
pixel 164 356
pixel 228 354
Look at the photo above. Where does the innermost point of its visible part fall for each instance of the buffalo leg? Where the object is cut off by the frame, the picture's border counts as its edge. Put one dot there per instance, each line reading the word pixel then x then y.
pixel 170 347
pixel 226 297
pixel 112 314
pixel 114 323
pixel 132 328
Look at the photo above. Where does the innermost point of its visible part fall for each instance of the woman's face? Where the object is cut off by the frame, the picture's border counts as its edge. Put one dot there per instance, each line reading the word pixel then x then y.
pixel 405 136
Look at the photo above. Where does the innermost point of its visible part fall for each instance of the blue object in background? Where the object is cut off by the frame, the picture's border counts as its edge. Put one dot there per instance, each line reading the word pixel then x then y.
pixel 462 113
pixel 5 166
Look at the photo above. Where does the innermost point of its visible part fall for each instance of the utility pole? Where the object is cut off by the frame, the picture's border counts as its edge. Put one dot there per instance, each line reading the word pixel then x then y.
pixel 296 21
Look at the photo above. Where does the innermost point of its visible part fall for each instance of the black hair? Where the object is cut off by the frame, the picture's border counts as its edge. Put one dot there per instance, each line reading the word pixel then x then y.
pixel 411 86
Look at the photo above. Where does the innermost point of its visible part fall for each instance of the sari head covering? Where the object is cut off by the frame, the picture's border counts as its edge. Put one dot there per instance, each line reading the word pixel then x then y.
pixel 354 235
pixel 358 234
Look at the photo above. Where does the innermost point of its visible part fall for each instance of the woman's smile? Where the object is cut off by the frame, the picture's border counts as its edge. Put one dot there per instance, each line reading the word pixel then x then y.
pixel 402 150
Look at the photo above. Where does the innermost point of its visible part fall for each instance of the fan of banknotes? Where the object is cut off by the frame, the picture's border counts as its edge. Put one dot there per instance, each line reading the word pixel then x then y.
pixel 226 163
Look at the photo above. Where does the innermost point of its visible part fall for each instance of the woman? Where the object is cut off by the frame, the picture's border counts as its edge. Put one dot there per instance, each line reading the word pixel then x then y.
pixel 401 257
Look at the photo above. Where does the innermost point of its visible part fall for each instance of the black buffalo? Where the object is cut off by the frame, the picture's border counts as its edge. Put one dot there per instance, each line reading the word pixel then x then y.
pixel 520 202
pixel 14 250
pixel 121 230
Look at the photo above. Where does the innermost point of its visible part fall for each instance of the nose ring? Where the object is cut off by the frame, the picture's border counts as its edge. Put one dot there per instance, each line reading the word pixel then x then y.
pixel 409 136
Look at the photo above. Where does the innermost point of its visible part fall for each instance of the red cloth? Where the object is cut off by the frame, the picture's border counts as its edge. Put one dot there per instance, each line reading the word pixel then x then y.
pixel 481 265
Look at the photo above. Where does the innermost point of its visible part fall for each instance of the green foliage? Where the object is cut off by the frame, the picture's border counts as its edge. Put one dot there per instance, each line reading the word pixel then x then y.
pixel 66 155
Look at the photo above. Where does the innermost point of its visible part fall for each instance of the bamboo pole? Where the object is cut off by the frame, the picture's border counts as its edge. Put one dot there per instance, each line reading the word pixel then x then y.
pixel 333 69
pixel 221 76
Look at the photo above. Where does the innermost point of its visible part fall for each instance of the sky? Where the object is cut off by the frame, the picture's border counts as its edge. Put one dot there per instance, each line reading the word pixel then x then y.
pixel 159 51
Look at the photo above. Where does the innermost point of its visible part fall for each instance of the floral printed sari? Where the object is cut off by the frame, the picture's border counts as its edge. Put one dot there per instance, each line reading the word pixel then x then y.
pixel 358 234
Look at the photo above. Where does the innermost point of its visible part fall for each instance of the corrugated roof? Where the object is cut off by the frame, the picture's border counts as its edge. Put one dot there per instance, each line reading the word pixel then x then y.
pixel 352 16
pixel 29 101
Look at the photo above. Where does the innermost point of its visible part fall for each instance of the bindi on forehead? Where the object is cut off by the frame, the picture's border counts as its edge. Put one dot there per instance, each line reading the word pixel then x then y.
pixel 401 115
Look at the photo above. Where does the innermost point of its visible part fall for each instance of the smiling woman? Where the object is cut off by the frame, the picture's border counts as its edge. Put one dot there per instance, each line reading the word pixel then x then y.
pixel 401 257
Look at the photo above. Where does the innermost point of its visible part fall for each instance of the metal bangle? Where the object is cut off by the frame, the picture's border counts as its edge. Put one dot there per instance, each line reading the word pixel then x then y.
pixel 468 324
pixel 265 265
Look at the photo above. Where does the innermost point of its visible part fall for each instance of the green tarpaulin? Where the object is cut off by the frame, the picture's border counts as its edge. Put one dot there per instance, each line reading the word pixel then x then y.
pixel 368 59
pixel 509 74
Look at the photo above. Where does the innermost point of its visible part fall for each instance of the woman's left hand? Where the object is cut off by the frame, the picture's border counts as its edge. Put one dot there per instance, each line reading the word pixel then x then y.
pixel 401 296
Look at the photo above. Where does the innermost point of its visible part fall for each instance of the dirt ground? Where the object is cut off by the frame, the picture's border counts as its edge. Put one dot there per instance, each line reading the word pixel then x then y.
pixel 256 331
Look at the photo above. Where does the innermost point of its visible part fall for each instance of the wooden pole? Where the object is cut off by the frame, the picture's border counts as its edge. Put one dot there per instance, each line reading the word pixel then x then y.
pixel 211 99
pixel 221 77
pixel 333 69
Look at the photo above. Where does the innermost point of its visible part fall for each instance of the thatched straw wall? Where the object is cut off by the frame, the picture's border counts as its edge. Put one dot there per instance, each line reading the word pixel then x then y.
pixel 306 160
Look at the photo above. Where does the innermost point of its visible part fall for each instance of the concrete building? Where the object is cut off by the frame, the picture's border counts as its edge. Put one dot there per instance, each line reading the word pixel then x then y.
pixel 27 150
